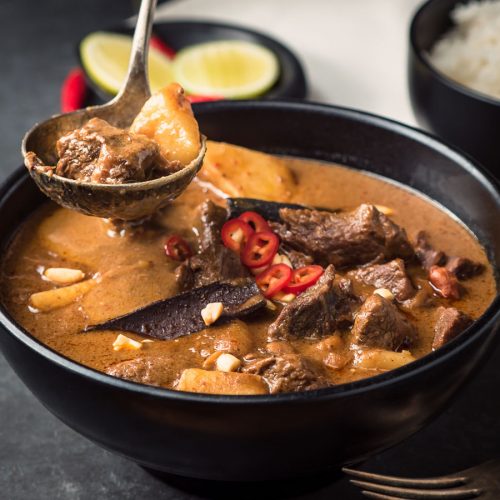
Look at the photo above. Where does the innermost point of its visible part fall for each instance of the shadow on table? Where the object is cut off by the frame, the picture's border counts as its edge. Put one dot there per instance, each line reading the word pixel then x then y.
pixel 262 490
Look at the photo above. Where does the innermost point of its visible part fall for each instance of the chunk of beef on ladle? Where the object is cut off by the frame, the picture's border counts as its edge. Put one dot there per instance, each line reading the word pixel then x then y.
pixel 214 262
pixel 316 312
pixel 391 275
pixel 343 239
pixel 379 323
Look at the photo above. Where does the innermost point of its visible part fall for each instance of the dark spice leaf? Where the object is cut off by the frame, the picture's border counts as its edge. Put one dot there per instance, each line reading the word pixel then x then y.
pixel 270 210
pixel 181 315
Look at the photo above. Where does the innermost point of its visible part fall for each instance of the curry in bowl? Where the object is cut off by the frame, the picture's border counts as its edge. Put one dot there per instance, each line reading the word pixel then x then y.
pixel 269 274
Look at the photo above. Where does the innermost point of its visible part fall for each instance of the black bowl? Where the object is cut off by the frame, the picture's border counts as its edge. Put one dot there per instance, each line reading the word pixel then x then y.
pixel 291 83
pixel 287 435
pixel 450 110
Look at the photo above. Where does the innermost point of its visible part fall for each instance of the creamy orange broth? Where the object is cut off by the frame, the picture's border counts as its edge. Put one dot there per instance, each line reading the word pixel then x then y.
pixel 134 270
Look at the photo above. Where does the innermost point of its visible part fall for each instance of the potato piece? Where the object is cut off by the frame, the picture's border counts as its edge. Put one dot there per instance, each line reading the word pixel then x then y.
pixel 240 172
pixel 381 359
pixel 60 297
pixel 217 382
pixel 234 338
pixel 168 119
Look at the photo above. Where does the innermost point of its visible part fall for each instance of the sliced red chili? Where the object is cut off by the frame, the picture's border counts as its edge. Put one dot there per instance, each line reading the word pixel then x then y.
pixel 235 233
pixel 260 249
pixel 177 248
pixel 303 278
pixel 255 220
pixel 274 279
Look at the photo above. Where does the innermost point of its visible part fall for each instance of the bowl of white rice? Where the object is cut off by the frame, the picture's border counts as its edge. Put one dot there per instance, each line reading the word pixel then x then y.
pixel 454 74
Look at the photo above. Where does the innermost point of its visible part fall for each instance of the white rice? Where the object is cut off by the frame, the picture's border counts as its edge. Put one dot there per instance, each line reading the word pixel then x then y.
pixel 470 52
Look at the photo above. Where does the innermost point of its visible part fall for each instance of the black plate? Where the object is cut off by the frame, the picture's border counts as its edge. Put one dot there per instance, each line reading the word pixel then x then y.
pixel 283 435
pixel 179 34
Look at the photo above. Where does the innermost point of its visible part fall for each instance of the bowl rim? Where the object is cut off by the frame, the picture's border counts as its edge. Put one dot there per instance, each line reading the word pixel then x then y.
pixel 441 77
pixel 489 319
pixel 284 53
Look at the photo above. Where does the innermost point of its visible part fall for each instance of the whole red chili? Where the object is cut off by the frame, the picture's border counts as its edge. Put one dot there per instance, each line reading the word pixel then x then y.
pixel 177 248
pixel 274 279
pixel 158 44
pixel 194 98
pixel 260 249
pixel 73 91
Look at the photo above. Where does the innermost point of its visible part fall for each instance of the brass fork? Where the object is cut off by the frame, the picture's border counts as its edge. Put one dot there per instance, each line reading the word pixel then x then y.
pixel 482 481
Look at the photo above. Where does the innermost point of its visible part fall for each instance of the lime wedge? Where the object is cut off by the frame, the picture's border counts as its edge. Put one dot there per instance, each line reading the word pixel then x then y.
pixel 232 69
pixel 105 59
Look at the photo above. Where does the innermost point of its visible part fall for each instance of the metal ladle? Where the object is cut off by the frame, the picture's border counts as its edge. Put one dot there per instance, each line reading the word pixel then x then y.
pixel 131 201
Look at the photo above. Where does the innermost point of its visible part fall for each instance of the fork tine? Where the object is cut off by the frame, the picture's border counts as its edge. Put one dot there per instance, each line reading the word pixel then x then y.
pixel 378 496
pixel 447 494
pixel 437 482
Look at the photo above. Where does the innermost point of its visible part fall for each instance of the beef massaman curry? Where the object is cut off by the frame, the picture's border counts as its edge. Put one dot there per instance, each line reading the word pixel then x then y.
pixel 246 296
pixel 266 275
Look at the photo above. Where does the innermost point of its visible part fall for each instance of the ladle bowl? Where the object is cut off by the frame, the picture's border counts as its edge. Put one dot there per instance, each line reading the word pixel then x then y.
pixel 130 201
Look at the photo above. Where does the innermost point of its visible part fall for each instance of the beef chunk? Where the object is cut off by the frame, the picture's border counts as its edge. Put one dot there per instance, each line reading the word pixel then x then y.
pixel 348 239
pixel 464 268
pixel 101 153
pixel 317 311
pixel 449 324
pixel 287 373
pixel 379 323
pixel 151 370
pixel 461 267
pixel 426 254
pixel 297 259
pixel 391 276
pixel 214 262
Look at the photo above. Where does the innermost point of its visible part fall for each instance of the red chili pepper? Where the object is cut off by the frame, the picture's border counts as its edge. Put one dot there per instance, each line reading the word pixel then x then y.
pixel 260 249
pixel 235 233
pixel 445 282
pixel 177 248
pixel 158 44
pixel 73 91
pixel 255 221
pixel 192 98
pixel 274 279
pixel 303 278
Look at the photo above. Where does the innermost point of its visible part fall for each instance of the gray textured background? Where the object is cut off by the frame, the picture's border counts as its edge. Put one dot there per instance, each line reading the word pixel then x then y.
pixel 40 458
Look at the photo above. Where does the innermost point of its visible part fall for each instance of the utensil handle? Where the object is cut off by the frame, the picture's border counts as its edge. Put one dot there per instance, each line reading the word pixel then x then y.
pixel 135 90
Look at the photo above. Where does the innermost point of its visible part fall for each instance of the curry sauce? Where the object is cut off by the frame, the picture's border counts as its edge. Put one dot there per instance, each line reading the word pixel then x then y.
pixel 129 269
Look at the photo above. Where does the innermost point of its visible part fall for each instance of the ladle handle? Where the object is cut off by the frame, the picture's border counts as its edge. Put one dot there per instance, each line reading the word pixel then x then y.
pixel 135 90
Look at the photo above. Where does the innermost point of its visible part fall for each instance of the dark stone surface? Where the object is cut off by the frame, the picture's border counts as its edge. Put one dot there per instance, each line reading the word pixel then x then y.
pixel 40 458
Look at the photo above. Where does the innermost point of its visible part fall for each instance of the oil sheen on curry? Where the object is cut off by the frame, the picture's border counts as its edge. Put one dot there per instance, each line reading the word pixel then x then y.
pixel 228 292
